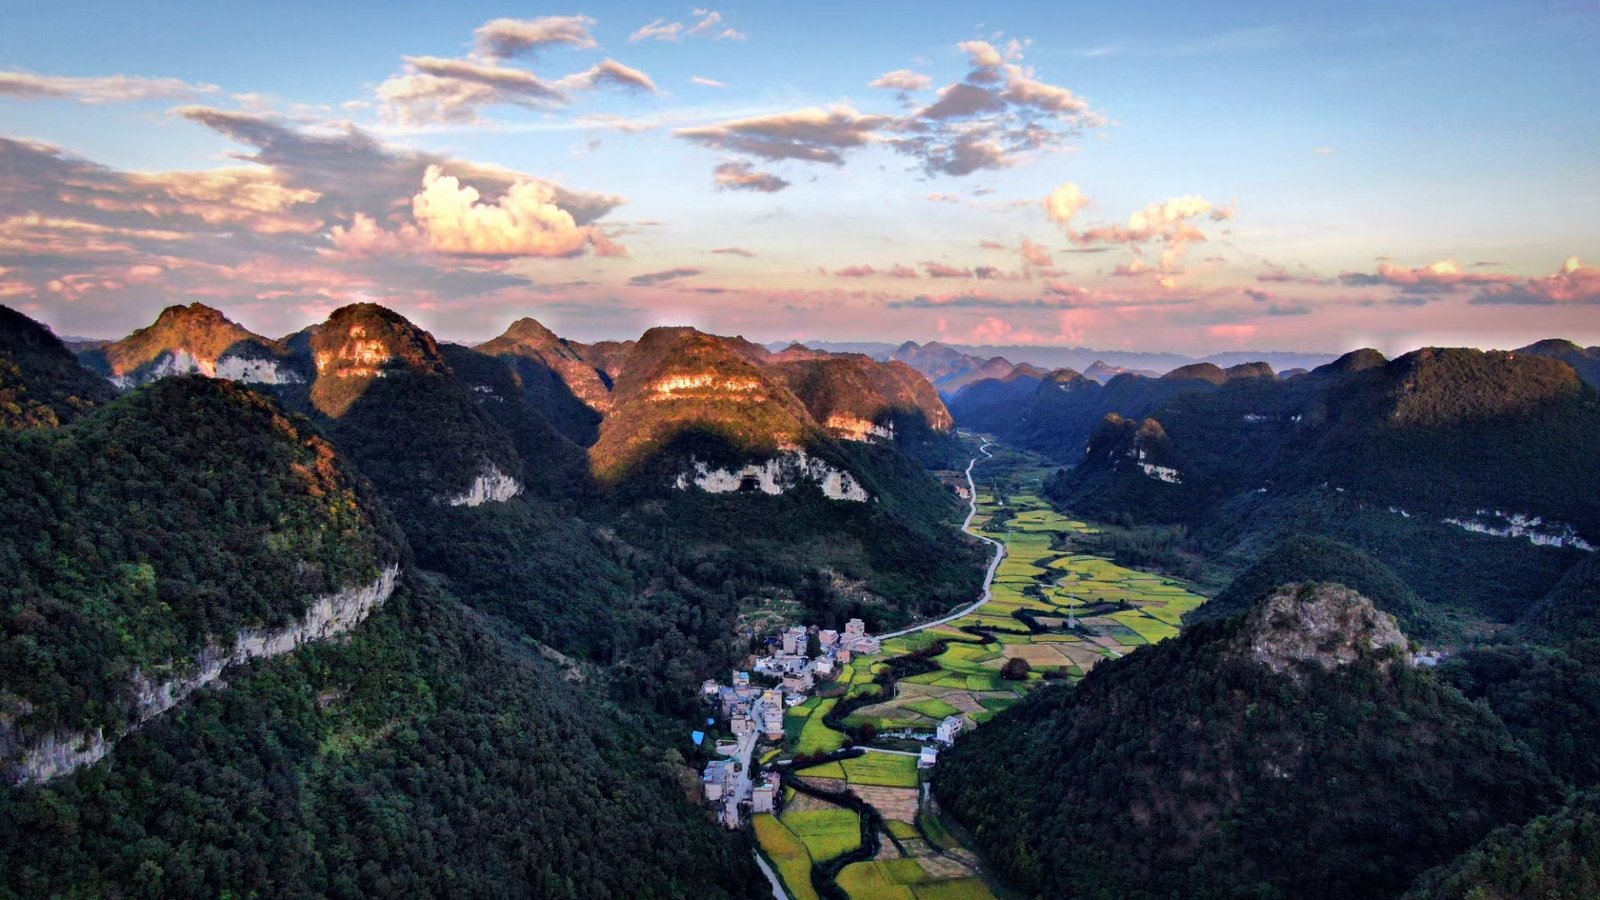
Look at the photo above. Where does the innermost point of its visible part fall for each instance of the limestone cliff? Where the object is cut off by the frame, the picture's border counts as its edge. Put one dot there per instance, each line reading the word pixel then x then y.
pixel 30 758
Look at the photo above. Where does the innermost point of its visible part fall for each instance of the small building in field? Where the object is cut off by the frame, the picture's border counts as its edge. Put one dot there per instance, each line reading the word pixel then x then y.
pixel 927 758
pixel 949 729
pixel 798 683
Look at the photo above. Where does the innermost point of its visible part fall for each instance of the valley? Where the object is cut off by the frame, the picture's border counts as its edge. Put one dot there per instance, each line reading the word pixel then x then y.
pixel 1045 602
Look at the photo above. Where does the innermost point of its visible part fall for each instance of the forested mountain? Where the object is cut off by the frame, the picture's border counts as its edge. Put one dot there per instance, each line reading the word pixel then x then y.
pixel 1292 751
pixel 1452 467
pixel 426 756
pixel 194 339
pixel 194 529
pixel 1553 857
pixel 157 530
pixel 1057 413
pixel 1584 360
pixel 41 385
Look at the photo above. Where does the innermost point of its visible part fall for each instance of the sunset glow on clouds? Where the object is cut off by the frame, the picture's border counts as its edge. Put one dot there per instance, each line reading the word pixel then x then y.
pixel 826 173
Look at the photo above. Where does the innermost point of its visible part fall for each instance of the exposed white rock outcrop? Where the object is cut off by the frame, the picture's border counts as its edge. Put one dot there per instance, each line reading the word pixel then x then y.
pixel 491 486
pixel 854 428
pixel 249 370
pixel 1323 625
pixel 775 476
pixel 1159 473
pixel 34 758
pixel 1516 525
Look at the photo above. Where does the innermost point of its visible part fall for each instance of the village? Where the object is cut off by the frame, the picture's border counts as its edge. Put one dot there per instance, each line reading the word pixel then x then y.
pixel 794 665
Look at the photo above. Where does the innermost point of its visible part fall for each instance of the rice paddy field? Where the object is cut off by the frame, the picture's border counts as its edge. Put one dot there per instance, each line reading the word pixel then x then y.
pixel 1083 609
pixel 1092 609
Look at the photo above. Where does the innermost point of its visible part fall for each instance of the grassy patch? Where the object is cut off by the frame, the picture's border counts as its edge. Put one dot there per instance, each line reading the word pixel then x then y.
pixel 887 769
pixel 788 855
pixel 825 832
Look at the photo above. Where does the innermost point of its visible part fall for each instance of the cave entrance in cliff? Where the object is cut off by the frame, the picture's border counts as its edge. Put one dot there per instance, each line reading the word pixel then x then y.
pixel 749 484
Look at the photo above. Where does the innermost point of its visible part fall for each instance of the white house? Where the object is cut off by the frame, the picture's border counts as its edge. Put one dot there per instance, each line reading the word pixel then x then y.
pixel 948 729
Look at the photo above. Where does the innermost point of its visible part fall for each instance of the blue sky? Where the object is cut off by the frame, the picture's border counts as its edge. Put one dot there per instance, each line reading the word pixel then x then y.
pixel 1394 174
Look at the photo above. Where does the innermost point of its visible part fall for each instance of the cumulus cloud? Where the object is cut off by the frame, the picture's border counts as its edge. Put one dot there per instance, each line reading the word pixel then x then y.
pixel 507 38
pixel 665 276
pixel 354 172
pixel 708 24
pixel 902 80
pixel 742 176
pixel 99 89
pixel 1064 202
pixel 450 217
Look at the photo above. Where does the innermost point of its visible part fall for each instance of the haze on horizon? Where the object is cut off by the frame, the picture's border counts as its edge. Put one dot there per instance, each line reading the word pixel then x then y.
pixel 1195 179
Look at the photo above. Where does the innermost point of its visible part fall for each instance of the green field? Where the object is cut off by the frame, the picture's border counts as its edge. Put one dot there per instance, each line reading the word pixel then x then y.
pixel 787 854
pixel 826 833
pixel 887 769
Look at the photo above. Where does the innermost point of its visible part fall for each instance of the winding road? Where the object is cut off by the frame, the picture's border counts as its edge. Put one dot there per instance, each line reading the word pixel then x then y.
pixel 994 564
pixel 983 597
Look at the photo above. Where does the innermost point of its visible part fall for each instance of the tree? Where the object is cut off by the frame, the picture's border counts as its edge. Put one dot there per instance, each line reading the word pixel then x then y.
pixel 1016 669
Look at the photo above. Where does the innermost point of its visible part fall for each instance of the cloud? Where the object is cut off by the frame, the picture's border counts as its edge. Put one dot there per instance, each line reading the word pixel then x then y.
pixel 995 118
pixel 1575 283
pixel 812 134
pixel 354 172
pixel 665 276
pixel 902 80
pixel 709 25
pixel 507 38
pixel 940 270
pixel 736 251
pixel 1442 276
pixel 855 272
pixel 99 89
pixel 742 176
pixel 434 89
pixel 1170 221
pixel 612 73
pixel 450 218
pixel 707 82
pixel 1288 309
pixel 1064 202
pixel 1036 253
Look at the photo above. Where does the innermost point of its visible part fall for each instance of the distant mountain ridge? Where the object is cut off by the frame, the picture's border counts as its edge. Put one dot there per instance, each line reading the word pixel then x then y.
pixel 941 358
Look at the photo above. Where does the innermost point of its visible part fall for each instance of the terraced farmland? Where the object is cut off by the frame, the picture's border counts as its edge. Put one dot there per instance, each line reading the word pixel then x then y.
pixel 1060 609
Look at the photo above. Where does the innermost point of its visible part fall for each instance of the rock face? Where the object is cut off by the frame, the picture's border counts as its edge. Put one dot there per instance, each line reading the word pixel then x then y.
pixel 234 367
pixel 1324 625
pixel 775 476
pixel 29 758
pixel 193 340
pixel 491 486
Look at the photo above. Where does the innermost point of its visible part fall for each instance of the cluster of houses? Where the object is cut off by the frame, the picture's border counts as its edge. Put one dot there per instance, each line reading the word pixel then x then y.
pixel 756 710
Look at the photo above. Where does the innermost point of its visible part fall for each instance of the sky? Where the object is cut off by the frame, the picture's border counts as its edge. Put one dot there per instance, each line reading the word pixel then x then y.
pixel 1179 177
